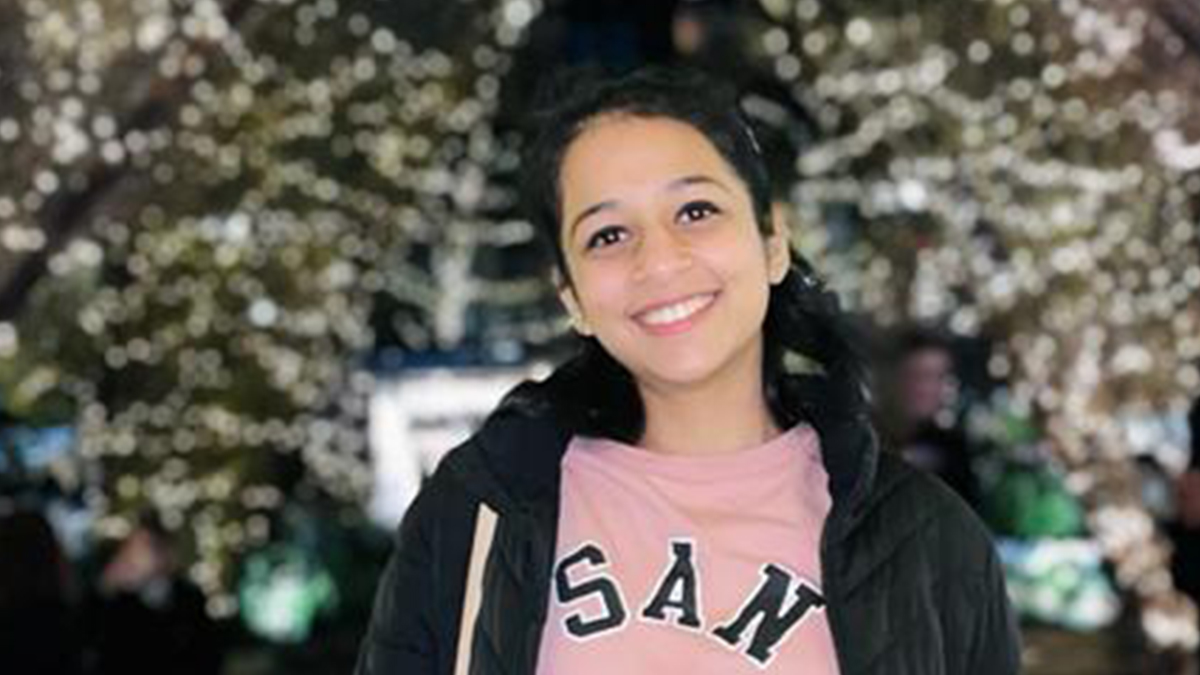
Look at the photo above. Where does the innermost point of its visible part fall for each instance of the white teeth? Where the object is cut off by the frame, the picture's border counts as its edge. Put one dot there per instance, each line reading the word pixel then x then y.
pixel 678 311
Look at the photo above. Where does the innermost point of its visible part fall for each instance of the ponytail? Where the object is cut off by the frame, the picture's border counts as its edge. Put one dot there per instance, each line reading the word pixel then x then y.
pixel 805 318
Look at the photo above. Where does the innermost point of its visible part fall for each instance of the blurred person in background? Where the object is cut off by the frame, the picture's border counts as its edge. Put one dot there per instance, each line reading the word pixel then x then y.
pixel 38 631
pixel 144 616
pixel 916 416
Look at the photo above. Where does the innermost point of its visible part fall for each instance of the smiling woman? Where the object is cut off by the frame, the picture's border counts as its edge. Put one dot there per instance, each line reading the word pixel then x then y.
pixel 673 496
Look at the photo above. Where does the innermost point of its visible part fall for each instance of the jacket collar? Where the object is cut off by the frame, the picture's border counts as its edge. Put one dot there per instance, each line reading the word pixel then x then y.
pixel 523 443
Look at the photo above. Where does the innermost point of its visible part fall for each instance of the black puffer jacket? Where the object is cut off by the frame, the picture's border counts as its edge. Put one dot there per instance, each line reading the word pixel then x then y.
pixel 912 582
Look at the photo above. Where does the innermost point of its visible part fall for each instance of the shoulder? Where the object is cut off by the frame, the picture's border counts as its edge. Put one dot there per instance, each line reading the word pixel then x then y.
pixel 448 495
pixel 512 458
pixel 913 562
pixel 509 438
pixel 917 509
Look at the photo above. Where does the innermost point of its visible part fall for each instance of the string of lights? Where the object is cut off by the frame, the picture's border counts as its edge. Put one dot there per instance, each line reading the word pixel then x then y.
pixel 222 190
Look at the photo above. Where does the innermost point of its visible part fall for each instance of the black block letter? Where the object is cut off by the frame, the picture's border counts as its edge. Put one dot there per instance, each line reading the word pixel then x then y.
pixel 677 590
pixel 610 595
pixel 767 605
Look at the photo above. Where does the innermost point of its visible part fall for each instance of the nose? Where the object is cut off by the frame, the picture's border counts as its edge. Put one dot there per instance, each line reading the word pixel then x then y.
pixel 661 253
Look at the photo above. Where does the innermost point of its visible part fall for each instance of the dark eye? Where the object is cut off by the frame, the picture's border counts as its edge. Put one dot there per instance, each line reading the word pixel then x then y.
pixel 698 210
pixel 606 236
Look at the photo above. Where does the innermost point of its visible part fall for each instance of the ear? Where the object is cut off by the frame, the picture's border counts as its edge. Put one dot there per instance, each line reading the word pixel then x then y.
pixel 566 295
pixel 778 244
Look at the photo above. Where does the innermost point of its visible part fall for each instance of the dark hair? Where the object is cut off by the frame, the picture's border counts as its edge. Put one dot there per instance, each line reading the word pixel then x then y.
pixel 596 394
pixel 910 340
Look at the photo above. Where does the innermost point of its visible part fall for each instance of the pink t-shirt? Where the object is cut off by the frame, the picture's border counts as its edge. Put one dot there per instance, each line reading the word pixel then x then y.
pixel 690 565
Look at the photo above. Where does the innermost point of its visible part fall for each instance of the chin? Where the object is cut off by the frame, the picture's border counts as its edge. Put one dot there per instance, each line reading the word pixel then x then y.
pixel 680 373
pixel 684 364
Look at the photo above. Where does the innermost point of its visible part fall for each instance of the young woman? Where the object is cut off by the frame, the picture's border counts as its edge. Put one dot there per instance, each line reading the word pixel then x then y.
pixel 674 496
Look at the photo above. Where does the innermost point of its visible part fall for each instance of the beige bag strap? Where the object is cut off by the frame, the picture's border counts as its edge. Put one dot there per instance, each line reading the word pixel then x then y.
pixel 485 532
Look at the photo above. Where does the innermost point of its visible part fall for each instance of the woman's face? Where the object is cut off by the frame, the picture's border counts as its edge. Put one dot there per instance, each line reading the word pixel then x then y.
pixel 668 268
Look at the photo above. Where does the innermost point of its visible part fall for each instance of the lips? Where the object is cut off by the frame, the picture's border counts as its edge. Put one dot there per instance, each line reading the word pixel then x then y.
pixel 675 315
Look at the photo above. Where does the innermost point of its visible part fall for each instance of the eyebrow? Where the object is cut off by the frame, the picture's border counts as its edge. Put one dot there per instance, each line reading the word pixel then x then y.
pixel 698 179
pixel 676 184
pixel 591 210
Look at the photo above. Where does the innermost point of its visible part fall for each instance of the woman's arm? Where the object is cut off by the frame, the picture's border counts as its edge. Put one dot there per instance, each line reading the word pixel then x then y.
pixel 402 638
pixel 995 644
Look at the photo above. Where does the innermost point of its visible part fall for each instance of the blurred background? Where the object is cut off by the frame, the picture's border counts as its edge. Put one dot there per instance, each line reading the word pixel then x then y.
pixel 261 265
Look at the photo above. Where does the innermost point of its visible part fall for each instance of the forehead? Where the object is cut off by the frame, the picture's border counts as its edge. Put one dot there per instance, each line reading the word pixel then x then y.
pixel 617 150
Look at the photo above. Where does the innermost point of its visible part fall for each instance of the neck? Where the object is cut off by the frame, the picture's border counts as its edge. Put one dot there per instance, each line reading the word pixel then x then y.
pixel 724 414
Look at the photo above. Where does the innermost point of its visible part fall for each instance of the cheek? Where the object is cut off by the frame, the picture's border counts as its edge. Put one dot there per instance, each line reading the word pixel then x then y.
pixel 601 291
pixel 746 259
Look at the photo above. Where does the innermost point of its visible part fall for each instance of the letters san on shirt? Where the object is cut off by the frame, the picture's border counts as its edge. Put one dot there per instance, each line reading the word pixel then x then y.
pixel 779 603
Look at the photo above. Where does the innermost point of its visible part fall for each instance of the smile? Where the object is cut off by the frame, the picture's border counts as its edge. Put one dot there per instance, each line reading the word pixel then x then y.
pixel 677 313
